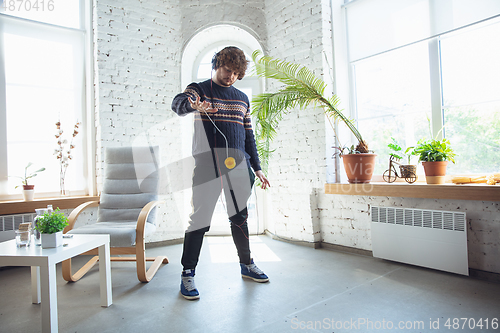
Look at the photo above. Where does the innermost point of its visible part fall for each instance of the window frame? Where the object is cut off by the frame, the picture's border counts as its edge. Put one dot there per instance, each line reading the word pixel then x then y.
pixel 345 76
pixel 87 130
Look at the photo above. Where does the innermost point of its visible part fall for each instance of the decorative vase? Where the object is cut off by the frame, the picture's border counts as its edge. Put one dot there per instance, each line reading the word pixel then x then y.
pixel 359 167
pixel 52 240
pixel 435 172
pixel 28 192
pixel 62 186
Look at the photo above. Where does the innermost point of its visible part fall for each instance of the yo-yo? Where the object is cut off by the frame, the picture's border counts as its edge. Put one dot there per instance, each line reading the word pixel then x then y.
pixel 230 162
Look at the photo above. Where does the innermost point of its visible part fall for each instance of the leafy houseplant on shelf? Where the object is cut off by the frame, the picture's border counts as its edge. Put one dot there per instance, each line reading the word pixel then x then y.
pixel 28 190
pixel 50 225
pixel 301 88
pixel 397 152
pixel 434 155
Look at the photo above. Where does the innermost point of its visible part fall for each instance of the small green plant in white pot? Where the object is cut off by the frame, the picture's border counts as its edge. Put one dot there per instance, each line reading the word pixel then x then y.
pixel 28 190
pixel 51 225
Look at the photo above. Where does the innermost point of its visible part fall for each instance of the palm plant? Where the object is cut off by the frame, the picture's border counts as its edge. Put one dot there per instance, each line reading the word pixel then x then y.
pixel 301 89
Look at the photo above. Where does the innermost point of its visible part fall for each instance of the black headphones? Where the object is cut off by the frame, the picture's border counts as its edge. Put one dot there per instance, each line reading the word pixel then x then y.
pixel 215 59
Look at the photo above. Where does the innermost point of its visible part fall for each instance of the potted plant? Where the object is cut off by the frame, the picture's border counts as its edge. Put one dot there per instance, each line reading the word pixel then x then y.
pixel 50 225
pixel 434 155
pixel 301 88
pixel 28 190
pixel 405 169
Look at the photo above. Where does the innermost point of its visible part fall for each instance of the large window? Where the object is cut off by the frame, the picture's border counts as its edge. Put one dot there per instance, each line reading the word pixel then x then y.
pixel 427 69
pixel 471 96
pixel 42 82
pixel 393 99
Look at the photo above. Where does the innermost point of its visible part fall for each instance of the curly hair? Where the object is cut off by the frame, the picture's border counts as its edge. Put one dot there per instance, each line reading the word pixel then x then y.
pixel 232 57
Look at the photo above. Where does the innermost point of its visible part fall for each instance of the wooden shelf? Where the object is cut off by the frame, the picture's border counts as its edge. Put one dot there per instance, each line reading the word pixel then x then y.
pixel 20 207
pixel 480 192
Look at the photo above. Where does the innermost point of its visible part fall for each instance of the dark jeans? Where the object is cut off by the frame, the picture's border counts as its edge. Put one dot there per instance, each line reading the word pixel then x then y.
pixel 207 186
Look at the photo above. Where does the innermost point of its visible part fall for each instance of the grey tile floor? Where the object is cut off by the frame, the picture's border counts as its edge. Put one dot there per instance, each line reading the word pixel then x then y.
pixel 309 291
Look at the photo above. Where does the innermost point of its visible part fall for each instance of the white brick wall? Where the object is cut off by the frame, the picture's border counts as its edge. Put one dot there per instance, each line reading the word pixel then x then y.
pixel 138 47
pixel 138 50
pixel 345 220
pixel 138 53
pixel 198 14
pixel 295 33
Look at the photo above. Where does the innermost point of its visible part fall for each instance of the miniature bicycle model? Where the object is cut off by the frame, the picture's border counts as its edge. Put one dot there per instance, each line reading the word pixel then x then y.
pixel 390 175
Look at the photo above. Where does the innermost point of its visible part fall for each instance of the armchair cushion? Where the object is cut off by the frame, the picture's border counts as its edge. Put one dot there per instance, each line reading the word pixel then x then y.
pixel 123 233
pixel 123 207
pixel 130 182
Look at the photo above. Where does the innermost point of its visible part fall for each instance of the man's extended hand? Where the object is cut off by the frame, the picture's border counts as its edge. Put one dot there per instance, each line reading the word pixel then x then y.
pixel 202 106
pixel 263 179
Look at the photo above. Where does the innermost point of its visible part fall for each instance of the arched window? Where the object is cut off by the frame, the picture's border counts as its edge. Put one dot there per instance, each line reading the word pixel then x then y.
pixel 197 67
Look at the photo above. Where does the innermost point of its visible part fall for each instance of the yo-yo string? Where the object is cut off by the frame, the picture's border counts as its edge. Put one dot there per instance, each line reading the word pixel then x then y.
pixel 239 226
pixel 226 163
pixel 217 128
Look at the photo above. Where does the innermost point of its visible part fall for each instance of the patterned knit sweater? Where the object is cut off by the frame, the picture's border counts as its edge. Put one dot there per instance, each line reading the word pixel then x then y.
pixel 232 118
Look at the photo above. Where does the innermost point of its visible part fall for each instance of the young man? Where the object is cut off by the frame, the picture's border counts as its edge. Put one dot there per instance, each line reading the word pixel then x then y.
pixel 225 153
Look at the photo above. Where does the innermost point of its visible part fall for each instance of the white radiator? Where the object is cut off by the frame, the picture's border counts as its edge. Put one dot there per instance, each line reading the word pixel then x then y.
pixel 9 223
pixel 428 238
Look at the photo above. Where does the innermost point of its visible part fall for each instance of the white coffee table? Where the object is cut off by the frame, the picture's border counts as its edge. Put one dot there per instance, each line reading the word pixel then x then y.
pixel 43 270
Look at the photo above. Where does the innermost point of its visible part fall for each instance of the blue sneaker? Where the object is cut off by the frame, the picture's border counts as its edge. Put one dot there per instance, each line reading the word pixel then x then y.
pixel 188 289
pixel 253 272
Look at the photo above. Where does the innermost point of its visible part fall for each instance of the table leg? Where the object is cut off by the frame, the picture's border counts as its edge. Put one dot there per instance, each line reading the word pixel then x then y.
pixel 105 275
pixel 49 298
pixel 35 285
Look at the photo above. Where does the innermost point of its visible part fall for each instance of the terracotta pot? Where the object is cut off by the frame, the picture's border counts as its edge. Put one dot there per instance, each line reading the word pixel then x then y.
pixel 359 167
pixel 435 172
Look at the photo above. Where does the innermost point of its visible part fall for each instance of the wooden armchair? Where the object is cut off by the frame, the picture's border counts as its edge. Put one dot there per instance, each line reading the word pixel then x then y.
pixel 126 210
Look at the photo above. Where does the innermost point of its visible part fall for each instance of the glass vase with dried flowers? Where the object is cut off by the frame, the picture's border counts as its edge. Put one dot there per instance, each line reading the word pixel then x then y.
pixel 63 153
